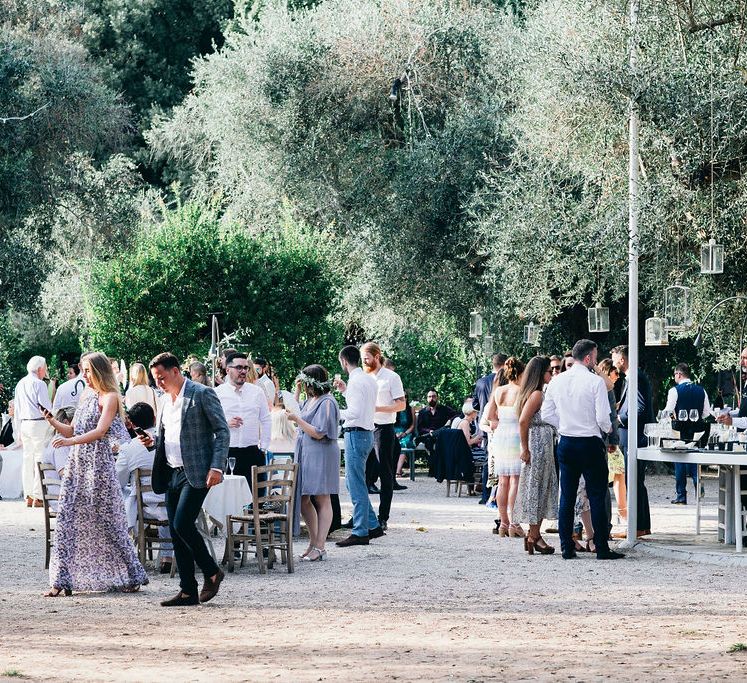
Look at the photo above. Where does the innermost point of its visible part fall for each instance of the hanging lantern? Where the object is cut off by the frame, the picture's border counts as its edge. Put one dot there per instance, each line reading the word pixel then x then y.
pixel 475 325
pixel 599 318
pixel 656 331
pixel 711 258
pixel 487 345
pixel 678 307
pixel 532 334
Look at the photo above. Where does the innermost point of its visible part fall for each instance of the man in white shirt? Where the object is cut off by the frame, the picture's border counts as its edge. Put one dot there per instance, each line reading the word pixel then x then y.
pixel 132 456
pixel 576 404
pixel 247 414
pixel 68 393
pixel 390 399
pixel 31 393
pixel 264 381
pixel 357 427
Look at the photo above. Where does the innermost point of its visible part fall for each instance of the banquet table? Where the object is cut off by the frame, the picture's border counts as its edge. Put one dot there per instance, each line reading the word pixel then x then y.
pixel 11 477
pixel 227 498
pixel 733 460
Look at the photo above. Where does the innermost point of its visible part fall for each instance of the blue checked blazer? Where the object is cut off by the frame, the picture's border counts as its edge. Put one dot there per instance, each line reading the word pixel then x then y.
pixel 204 439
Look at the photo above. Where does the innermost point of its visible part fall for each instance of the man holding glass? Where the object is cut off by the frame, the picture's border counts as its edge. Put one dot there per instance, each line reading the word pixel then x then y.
pixel 248 417
pixel 686 401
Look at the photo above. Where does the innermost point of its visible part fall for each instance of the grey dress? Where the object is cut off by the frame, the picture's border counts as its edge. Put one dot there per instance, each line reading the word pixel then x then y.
pixel 538 486
pixel 319 459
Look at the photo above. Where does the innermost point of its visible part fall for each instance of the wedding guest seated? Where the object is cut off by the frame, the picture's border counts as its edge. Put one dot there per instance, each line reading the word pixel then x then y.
pixel 58 456
pixel 134 455
pixel 432 418
pixel 473 435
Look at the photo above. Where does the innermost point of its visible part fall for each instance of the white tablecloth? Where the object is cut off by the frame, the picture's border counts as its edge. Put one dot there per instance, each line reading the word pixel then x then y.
pixel 11 478
pixel 228 498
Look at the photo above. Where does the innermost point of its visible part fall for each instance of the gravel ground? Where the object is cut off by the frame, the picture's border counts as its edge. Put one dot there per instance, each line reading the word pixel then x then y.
pixel 439 598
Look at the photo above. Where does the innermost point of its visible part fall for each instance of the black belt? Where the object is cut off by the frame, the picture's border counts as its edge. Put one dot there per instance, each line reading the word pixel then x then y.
pixel 355 429
pixel 388 424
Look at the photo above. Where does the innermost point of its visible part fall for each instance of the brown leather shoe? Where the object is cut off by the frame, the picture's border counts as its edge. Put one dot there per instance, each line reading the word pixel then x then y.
pixel 211 586
pixel 352 540
pixel 180 600
pixel 378 532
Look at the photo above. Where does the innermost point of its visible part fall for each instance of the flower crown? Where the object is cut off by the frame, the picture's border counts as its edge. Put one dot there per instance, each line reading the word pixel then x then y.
pixel 310 381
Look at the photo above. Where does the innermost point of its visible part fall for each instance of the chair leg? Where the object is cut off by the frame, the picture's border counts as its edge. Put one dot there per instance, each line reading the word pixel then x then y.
pixel 141 543
pixel 271 546
pixel 459 488
pixel 228 555
pixel 448 488
pixel 289 546
pixel 260 550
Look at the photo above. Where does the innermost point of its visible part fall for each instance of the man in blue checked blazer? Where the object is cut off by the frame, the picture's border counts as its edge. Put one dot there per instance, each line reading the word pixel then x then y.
pixel 191 449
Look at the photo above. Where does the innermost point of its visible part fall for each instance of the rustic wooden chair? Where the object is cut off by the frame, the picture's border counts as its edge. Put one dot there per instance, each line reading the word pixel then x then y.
pixel 147 527
pixel 50 509
pixel 269 524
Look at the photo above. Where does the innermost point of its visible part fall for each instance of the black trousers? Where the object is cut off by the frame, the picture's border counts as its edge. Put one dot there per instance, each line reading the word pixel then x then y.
pixel 245 459
pixel 183 505
pixel 577 456
pixel 643 507
pixel 384 449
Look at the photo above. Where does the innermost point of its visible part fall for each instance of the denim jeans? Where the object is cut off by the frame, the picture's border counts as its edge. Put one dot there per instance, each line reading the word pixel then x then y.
pixel 681 472
pixel 357 447
pixel 582 456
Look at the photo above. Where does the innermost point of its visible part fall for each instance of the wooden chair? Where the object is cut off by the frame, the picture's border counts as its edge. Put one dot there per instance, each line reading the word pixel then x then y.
pixel 49 513
pixel 147 527
pixel 262 528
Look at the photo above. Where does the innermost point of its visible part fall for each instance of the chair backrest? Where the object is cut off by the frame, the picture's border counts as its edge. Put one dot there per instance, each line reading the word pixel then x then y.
pixel 278 484
pixel 143 485
pixel 46 482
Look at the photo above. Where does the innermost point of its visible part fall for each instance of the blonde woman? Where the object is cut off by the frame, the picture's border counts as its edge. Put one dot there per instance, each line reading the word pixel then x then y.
pixel 92 550
pixel 140 391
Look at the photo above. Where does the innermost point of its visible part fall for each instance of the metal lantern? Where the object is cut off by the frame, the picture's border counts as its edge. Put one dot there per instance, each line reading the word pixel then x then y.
pixel 656 331
pixel 711 258
pixel 475 325
pixel 599 318
pixel 487 345
pixel 532 334
pixel 678 307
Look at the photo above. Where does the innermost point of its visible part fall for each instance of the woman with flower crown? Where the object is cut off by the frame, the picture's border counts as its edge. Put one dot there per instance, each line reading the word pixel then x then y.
pixel 318 456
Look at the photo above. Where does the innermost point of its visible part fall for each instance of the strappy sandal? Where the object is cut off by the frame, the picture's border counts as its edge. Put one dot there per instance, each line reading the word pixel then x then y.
pixel 57 592
pixel 320 556
pixel 131 589
pixel 515 531
pixel 503 530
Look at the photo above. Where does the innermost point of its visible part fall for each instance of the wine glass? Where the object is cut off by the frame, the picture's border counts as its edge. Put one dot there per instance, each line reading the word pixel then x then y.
pixel 694 415
pixel 231 464
pixel 682 415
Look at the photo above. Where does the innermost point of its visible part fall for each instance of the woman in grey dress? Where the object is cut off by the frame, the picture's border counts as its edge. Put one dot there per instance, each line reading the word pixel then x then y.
pixel 318 457
pixel 538 485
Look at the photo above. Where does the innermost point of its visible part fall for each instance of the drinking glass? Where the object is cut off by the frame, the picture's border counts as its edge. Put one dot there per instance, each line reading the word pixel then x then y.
pixel 231 464
pixel 694 415
pixel 682 416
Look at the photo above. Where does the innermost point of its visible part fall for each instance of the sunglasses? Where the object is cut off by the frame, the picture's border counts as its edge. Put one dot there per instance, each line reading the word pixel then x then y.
pixel 555 368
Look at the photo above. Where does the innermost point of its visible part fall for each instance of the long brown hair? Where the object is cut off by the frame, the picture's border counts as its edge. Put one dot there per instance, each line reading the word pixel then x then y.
pixel 512 369
pixel 103 380
pixel 533 379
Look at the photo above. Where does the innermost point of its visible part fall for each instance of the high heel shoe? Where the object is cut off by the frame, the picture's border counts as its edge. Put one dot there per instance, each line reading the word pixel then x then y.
pixel 543 549
pixel 529 545
pixel 321 555
pixel 503 530
pixel 57 592
pixel 515 531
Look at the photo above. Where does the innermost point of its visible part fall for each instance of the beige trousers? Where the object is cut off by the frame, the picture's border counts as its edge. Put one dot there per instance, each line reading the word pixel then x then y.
pixel 35 435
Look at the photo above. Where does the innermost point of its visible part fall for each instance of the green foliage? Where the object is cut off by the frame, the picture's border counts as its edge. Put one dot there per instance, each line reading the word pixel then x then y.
pixel 275 287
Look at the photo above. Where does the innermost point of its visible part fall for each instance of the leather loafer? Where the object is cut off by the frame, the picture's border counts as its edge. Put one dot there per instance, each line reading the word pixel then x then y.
pixel 211 586
pixel 373 489
pixel 678 502
pixel 180 600
pixel 570 555
pixel 610 555
pixel 378 532
pixel 352 540
pixel 348 524
pixel 398 487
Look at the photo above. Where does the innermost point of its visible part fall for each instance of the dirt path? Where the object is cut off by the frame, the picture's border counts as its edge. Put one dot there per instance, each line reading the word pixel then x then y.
pixel 452 602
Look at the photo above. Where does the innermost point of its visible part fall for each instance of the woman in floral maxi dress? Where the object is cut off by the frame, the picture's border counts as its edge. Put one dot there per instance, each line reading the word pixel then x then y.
pixel 93 551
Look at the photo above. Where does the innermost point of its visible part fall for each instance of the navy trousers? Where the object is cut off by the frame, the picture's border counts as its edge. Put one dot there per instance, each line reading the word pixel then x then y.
pixel 580 455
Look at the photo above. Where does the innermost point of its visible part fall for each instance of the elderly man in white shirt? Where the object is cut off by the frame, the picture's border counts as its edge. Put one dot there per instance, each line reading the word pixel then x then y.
pixel 576 404
pixel 358 431
pixel 248 416
pixel 31 396
pixel 132 456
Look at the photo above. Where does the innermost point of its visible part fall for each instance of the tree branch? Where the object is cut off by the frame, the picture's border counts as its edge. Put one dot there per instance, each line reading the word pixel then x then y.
pixel 706 25
pixel 6 119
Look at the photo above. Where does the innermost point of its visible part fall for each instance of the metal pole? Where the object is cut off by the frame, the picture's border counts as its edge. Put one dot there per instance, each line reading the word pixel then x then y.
pixel 632 397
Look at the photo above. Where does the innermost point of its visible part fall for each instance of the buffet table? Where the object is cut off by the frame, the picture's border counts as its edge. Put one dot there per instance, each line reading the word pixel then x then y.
pixel 733 460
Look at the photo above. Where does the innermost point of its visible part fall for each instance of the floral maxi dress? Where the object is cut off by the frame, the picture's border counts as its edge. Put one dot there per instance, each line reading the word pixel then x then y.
pixel 92 550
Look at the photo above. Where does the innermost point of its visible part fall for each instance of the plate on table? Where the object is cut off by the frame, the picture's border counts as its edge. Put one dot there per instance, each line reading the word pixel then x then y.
pixel 677 449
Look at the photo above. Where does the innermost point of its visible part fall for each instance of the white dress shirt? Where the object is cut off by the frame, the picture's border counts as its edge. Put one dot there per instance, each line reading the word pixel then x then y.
pixel 268 386
pixel 390 389
pixel 171 419
pixel 672 400
pixel 249 402
pixel 360 396
pixel 576 403
pixel 31 391
pixel 134 455
pixel 68 393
